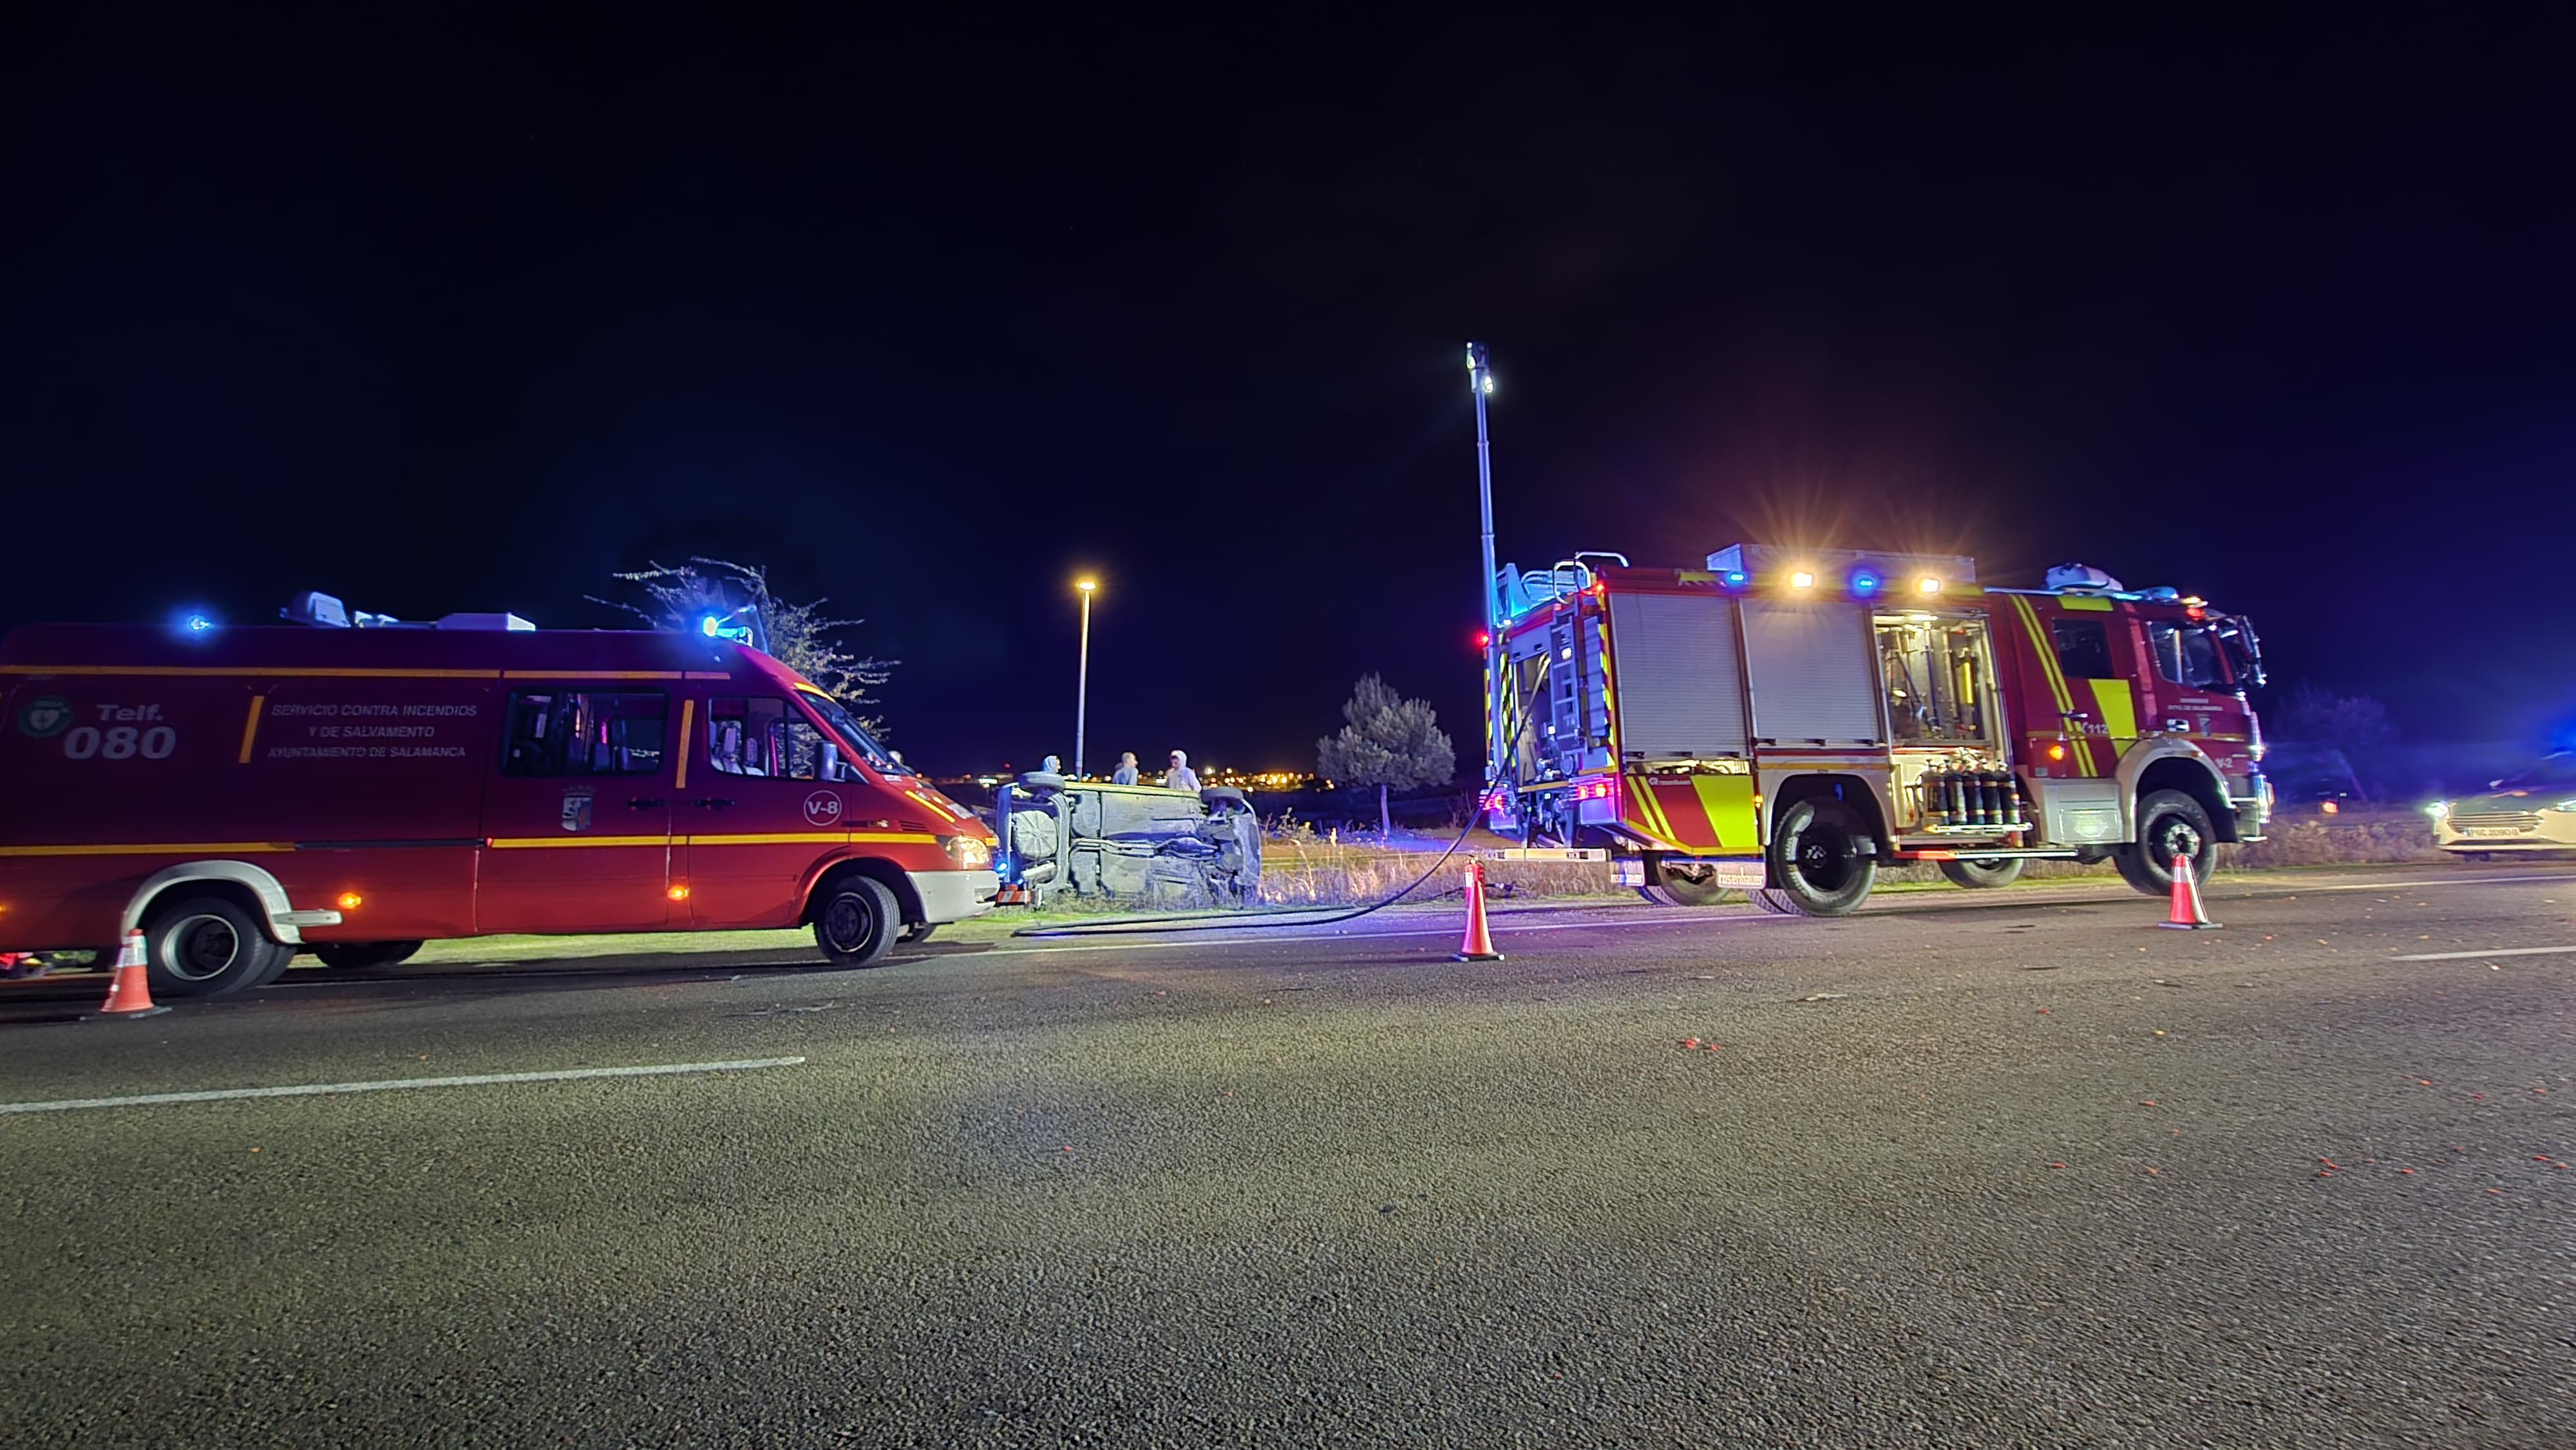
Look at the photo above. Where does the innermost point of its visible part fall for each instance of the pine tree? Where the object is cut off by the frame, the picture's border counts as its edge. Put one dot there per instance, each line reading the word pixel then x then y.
pixel 1390 742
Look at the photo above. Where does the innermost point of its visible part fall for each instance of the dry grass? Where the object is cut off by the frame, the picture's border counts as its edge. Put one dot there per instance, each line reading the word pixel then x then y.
pixel 2353 838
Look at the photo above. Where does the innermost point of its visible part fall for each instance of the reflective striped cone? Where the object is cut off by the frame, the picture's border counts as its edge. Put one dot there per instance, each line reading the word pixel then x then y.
pixel 1479 944
pixel 130 993
pixel 2186 913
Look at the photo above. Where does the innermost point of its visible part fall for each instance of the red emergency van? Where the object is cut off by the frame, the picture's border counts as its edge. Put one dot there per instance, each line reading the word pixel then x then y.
pixel 242 794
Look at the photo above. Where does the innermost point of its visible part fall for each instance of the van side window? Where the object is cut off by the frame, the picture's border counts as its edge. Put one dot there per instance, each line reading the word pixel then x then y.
pixel 584 732
pixel 2083 649
pixel 762 737
pixel 2185 655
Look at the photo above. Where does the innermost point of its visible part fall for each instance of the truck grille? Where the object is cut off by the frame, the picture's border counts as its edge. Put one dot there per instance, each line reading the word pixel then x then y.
pixel 2496 821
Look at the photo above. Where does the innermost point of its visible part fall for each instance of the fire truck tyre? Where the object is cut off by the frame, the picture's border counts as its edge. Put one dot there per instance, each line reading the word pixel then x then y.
pixel 359 955
pixel 2170 823
pixel 919 931
pixel 856 920
pixel 1772 901
pixel 1984 871
pixel 207 947
pixel 1817 856
pixel 1687 883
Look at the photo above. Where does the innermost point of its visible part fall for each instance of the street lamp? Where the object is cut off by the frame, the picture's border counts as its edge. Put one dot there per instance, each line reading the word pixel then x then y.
pixel 1082 676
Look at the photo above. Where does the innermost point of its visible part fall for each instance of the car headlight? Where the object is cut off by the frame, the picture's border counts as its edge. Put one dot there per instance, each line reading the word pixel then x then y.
pixel 2439 810
pixel 2566 806
pixel 970 853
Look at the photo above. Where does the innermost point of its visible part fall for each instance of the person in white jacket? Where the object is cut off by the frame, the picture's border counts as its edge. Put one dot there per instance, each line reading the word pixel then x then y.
pixel 1180 776
pixel 1125 774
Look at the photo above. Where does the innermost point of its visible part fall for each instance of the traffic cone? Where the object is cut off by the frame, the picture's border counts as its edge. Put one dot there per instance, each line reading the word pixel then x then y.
pixel 1479 945
pixel 2186 914
pixel 131 993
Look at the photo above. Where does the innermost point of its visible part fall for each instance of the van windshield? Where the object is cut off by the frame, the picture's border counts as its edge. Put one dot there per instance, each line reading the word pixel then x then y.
pixel 846 725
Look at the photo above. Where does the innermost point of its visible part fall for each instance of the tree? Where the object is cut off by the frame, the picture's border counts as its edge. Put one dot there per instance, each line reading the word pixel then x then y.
pixel 800 636
pixel 1391 743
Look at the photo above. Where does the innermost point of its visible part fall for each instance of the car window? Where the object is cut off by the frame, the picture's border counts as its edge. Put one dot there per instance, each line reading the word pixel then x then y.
pixel 2185 655
pixel 2083 649
pixel 759 736
pixel 585 732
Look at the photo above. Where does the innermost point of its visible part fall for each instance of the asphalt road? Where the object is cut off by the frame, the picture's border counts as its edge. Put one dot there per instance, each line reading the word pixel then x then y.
pixel 1969 1169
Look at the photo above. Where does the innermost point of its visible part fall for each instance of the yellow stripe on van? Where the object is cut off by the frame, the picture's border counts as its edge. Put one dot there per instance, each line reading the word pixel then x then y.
pixel 250 728
pixel 176 848
pixel 297 672
pixel 592 675
pixel 525 843
pixel 778 838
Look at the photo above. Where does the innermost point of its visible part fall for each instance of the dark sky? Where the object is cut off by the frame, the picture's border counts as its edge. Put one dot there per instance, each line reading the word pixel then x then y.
pixel 464 311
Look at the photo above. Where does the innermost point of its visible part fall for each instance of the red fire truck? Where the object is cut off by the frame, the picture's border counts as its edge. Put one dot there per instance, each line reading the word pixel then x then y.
pixel 243 794
pixel 1785 720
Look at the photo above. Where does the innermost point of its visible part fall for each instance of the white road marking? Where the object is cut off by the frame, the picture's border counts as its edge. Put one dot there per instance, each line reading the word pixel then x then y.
pixel 477 1080
pixel 2286 888
pixel 2498 952
pixel 1503 930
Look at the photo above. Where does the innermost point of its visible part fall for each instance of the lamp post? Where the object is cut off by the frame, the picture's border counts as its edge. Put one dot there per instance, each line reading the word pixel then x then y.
pixel 1480 382
pixel 1082 675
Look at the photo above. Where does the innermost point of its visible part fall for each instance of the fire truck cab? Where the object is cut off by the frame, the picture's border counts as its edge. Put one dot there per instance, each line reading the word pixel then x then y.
pixel 1784 721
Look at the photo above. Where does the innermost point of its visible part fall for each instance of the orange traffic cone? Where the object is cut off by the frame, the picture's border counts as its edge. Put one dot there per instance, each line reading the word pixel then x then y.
pixel 131 993
pixel 1479 945
pixel 2186 914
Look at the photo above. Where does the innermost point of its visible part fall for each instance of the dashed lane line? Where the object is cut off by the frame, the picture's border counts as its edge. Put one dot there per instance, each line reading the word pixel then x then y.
pixel 486 1079
pixel 2496 952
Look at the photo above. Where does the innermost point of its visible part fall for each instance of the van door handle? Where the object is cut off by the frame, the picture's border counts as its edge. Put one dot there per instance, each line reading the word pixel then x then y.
pixel 646 802
pixel 712 802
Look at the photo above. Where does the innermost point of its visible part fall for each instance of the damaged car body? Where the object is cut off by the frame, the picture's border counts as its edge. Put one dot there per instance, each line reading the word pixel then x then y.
pixel 1140 845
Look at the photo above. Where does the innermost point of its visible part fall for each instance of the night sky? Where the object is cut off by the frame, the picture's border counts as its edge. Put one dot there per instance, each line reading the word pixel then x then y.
pixel 462 312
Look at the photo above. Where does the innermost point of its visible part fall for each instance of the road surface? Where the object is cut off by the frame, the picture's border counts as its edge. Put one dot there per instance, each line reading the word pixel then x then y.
pixel 1969 1169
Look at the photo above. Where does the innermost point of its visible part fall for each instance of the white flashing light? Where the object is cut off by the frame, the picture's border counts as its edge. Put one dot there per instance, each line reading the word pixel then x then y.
pixel 708 626
pixel 1927 585
pixel 1803 579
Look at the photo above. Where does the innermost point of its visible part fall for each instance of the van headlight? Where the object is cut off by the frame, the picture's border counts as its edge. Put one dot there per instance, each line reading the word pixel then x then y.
pixel 968 852
pixel 2439 810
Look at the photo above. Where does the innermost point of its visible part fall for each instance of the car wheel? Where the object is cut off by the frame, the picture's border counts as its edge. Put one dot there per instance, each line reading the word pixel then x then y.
pixel 855 921
pixel 2170 824
pixel 1686 883
pixel 1985 872
pixel 1819 855
pixel 919 931
pixel 1771 900
pixel 208 947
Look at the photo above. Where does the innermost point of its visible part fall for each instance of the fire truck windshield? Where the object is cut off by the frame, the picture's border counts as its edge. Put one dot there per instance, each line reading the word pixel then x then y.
pixel 852 734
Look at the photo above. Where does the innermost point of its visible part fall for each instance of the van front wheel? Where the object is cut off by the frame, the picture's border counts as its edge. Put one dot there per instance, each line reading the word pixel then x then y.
pixel 209 947
pixel 855 921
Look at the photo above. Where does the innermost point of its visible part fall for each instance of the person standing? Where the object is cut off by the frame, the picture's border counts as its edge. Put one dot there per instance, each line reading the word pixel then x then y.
pixel 1125 774
pixel 1180 776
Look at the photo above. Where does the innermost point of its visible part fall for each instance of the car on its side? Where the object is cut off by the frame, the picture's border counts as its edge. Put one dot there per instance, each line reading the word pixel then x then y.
pixel 2529 813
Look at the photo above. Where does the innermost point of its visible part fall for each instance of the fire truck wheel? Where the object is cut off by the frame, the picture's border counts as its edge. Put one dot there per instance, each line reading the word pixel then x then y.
pixel 855 921
pixel 2170 824
pixel 1985 871
pixel 358 955
pixel 1685 883
pixel 208 947
pixel 1817 856
pixel 1772 901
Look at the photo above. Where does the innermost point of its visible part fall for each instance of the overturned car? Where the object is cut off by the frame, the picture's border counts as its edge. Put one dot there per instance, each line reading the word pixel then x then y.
pixel 1140 845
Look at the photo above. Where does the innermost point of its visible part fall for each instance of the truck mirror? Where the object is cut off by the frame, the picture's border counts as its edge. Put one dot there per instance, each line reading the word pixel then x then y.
pixel 831 761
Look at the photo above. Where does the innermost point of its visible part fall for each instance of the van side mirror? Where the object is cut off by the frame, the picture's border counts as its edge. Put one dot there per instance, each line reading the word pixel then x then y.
pixel 831 762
